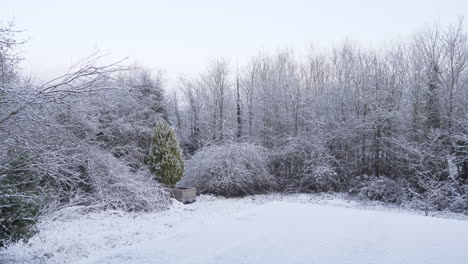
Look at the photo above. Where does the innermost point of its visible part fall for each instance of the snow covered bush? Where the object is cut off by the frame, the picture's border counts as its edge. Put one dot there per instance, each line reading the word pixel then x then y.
pixel 458 193
pixel 115 186
pixel 382 189
pixel 231 169
pixel 165 155
pixel 449 195
pixel 302 164
pixel 320 178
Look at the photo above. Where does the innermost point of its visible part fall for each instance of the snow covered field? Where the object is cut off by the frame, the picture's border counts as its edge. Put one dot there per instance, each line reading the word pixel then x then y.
pixel 259 229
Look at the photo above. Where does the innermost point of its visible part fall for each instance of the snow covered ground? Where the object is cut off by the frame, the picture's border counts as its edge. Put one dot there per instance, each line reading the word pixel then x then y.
pixel 258 229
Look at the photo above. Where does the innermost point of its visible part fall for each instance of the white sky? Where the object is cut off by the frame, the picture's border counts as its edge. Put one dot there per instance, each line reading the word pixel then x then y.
pixel 180 37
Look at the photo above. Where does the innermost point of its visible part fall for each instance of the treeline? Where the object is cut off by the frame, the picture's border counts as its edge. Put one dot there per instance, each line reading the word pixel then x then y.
pixel 388 124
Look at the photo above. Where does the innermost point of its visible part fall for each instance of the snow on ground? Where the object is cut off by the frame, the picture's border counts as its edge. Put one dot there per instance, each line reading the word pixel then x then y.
pixel 258 229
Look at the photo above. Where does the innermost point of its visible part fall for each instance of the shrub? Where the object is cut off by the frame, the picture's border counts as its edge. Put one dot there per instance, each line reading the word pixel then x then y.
pixel 451 195
pixel 382 189
pixel 232 169
pixel 303 164
pixel 166 159
pixel 321 178
pixel 115 186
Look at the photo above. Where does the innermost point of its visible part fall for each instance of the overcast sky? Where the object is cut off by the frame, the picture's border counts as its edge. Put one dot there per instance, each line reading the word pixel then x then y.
pixel 180 37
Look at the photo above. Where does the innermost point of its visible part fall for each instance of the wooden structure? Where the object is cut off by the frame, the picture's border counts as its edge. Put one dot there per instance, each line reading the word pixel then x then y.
pixel 184 195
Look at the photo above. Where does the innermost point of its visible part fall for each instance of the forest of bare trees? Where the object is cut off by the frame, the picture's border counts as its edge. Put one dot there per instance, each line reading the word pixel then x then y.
pixel 388 124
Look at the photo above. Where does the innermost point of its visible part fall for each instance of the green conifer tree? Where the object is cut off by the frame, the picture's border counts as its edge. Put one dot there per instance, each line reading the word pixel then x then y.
pixel 166 158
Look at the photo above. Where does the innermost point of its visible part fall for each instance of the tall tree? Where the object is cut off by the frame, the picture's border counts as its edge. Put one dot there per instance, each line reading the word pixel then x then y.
pixel 238 109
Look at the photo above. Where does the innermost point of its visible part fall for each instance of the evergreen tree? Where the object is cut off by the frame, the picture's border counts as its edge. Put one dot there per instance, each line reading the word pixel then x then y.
pixel 21 198
pixel 166 159
pixel 238 111
pixel 433 105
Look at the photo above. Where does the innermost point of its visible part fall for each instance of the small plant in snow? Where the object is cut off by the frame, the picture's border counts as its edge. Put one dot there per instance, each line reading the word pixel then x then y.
pixel 166 159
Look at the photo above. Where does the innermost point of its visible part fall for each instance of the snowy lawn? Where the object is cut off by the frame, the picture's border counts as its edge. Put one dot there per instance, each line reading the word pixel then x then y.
pixel 259 229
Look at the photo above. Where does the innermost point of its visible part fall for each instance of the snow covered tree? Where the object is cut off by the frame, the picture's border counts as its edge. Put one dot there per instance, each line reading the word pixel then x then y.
pixel 166 158
pixel 128 113
pixel 215 83
pixel 433 105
